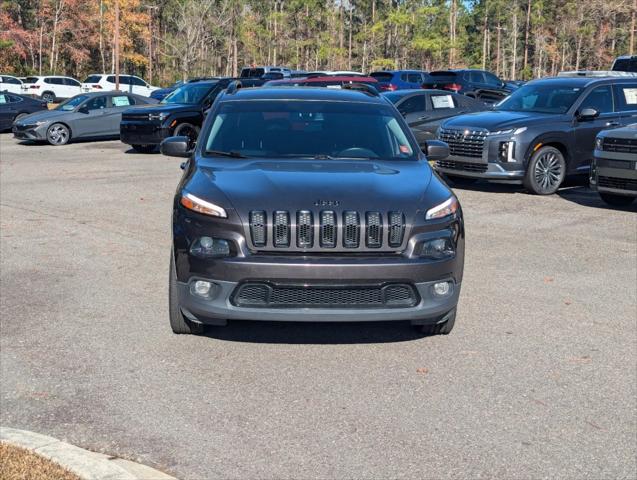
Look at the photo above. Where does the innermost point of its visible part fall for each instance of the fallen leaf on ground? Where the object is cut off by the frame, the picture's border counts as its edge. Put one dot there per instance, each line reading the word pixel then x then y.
pixel 422 370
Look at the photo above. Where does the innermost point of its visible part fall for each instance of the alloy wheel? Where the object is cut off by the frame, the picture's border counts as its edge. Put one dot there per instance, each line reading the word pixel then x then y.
pixel 58 134
pixel 548 171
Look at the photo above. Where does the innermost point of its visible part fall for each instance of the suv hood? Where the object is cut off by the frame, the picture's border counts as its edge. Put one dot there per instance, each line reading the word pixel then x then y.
pixel 165 108
pixel 493 120
pixel 303 184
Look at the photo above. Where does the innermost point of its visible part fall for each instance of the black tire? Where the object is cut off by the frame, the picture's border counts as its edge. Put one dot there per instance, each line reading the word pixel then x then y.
pixel 439 328
pixel 545 172
pixel 616 200
pixel 144 148
pixel 58 134
pixel 457 180
pixel 178 322
pixel 187 130
pixel 48 97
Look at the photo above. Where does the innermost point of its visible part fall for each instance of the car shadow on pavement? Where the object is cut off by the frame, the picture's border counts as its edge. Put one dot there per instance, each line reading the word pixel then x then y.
pixel 314 332
pixel 589 198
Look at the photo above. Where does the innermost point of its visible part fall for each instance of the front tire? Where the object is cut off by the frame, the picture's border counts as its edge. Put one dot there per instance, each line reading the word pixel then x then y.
pixel 48 97
pixel 144 148
pixel 188 130
pixel 616 200
pixel 178 323
pixel 58 134
pixel 545 172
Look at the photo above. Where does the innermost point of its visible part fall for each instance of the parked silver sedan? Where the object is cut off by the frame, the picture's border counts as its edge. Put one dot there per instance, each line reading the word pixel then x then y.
pixel 89 115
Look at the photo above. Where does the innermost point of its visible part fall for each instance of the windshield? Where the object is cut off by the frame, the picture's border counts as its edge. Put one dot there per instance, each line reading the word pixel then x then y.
pixel 541 98
pixel 191 93
pixel 92 79
pixel 625 65
pixel 308 129
pixel 382 76
pixel 71 103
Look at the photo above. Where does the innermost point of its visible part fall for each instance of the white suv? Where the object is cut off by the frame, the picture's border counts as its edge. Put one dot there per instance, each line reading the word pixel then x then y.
pixel 51 88
pixel 10 84
pixel 105 82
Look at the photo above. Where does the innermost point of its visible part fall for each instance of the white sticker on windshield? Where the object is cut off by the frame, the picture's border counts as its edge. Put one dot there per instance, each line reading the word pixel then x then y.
pixel 442 101
pixel 630 94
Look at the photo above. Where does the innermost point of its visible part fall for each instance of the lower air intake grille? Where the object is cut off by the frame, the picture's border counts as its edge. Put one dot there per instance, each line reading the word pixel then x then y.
pixel 618 183
pixel 262 295
pixel 466 166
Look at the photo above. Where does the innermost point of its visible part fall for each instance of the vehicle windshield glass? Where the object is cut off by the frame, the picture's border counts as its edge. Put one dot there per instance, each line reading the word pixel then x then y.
pixel 625 65
pixel 191 93
pixel 71 103
pixel 541 98
pixel 382 76
pixel 31 80
pixel 92 79
pixel 308 129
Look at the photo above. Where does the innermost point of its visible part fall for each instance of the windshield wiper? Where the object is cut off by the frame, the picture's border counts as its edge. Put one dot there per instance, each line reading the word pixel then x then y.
pixel 232 153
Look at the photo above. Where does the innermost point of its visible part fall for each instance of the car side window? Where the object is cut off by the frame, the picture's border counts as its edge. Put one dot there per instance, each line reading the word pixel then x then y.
pixel 97 103
pixel 138 81
pixel 4 99
pixel 601 99
pixel 442 101
pixel 50 81
pixel 413 104
pixel 492 79
pixel 414 78
pixel 71 82
pixel 110 79
pixel 625 97
pixel 404 77
pixel 477 77
pixel 13 81
pixel 14 98
pixel 122 101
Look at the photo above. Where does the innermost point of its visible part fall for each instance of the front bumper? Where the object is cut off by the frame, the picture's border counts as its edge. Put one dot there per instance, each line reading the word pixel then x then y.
pixel 142 133
pixel 29 132
pixel 219 308
pixel 614 172
pixel 468 167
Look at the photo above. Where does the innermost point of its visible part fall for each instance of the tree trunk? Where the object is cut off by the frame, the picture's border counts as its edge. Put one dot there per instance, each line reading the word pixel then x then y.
pixel 526 35
pixel 349 49
pixel 497 49
pixel 485 34
pixel 514 61
pixel 102 36
pixel 632 28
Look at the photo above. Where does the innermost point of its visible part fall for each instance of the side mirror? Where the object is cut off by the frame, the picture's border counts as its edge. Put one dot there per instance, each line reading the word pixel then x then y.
pixel 587 114
pixel 83 109
pixel 436 150
pixel 175 147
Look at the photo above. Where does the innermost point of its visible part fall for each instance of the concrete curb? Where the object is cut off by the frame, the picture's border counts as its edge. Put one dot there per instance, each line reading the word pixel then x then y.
pixel 84 463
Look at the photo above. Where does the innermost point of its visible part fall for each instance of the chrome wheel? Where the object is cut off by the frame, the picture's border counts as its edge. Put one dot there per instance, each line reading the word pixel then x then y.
pixel 548 171
pixel 57 134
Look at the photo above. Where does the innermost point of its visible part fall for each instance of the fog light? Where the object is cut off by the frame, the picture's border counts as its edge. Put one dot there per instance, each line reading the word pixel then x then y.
pixel 506 151
pixel 201 288
pixel 208 247
pixel 442 289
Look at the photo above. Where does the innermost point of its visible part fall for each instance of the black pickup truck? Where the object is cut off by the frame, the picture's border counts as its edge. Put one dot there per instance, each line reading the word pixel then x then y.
pixel 180 113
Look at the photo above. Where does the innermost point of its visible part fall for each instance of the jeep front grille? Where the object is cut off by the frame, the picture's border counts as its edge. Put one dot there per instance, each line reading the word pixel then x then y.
pixel 306 230
pixel 464 143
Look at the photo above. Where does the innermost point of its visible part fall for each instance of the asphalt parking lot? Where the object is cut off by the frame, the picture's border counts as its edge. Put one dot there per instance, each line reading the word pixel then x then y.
pixel 538 378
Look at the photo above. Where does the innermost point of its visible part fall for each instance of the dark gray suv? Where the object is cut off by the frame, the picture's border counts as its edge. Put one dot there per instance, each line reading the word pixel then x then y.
pixel 540 134
pixel 312 204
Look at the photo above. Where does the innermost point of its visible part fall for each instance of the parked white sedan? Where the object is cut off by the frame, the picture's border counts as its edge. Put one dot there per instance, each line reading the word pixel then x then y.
pixel 51 88
pixel 10 84
pixel 105 82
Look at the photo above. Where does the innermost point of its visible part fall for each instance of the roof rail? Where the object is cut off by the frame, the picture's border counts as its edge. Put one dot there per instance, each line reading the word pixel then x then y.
pixel 361 87
pixel 596 73
pixel 233 87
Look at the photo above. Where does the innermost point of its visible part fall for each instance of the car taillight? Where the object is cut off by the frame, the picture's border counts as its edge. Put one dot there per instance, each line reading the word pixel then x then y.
pixel 34 86
pixel 387 88
pixel 453 86
pixel 97 86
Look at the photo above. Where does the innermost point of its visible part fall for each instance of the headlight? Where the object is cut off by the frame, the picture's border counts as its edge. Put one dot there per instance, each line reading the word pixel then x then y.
pixel 599 143
pixel 515 131
pixel 158 116
pixel 446 208
pixel 210 247
pixel 198 205
pixel 438 249
pixel 40 122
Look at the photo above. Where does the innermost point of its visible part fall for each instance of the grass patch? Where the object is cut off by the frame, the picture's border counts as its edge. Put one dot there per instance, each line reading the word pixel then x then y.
pixel 20 464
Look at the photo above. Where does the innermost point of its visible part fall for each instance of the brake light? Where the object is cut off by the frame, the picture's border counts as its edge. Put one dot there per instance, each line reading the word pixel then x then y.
pixel 34 86
pixel 453 87
pixel 387 88
pixel 97 86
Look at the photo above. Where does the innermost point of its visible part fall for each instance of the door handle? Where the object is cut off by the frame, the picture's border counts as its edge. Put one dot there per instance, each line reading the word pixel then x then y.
pixel 613 124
